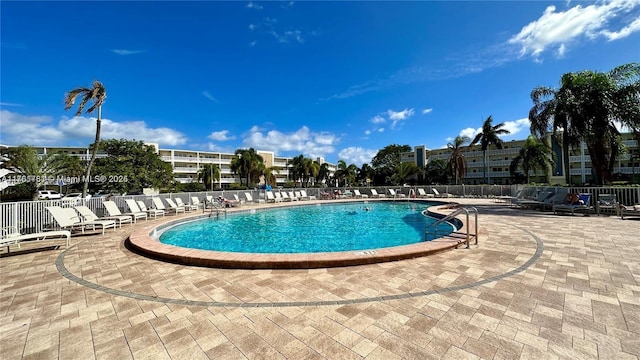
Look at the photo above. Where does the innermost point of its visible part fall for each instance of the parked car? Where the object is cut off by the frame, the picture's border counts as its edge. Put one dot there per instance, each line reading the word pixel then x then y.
pixel 48 195
pixel 75 196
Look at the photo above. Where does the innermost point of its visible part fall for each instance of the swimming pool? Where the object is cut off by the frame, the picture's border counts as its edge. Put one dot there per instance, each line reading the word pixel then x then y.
pixel 308 229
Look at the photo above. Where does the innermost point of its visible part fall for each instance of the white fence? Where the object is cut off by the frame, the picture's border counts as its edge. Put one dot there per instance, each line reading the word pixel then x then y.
pixel 31 216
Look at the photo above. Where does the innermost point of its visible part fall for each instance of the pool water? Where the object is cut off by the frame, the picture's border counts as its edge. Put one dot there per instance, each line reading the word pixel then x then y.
pixel 308 229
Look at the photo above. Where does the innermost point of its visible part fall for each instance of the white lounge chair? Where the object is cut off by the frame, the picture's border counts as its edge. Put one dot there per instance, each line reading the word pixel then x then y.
pixel 187 207
pixel 423 194
pixel 135 210
pixel 157 203
pixel 175 207
pixel 278 197
pixel 196 201
pixel 439 194
pixel 271 197
pixel 113 210
pixel 374 193
pixel 12 236
pixel 304 195
pixel 67 218
pixel 396 194
pixel 150 212
pixel 285 196
pixel 357 194
pixel 249 198
pixel 237 200
pixel 293 196
pixel 89 215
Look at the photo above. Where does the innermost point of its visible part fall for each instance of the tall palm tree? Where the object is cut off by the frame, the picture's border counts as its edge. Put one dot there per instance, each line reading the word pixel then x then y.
pixel 365 172
pixel 270 175
pixel 489 136
pixel 315 170
pixel 297 168
pixel 96 95
pixel 551 113
pixel 323 172
pixel 457 164
pixel 208 174
pixel 37 169
pixel 248 164
pixel 435 172
pixel 404 171
pixel 534 155
pixel 591 106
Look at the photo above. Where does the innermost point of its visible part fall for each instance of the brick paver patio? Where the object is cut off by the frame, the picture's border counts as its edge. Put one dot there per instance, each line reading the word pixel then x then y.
pixel 537 286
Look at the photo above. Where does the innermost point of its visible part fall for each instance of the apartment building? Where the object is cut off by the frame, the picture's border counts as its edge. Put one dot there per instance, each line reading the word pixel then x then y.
pixel 187 163
pixel 499 161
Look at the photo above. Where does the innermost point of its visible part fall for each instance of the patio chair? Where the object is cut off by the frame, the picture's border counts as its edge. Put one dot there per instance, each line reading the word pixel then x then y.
pixel 113 210
pixel 374 193
pixel 271 197
pixel 628 211
pixel 195 201
pixel 89 215
pixel 537 200
pixel 423 194
pixel 249 198
pixel 285 196
pixel 396 194
pixel 150 212
pixel 357 194
pixel 303 194
pixel 135 210
pixel 237 201
pixel 278 196
pixel 187 207
pixel 300 197
pixel 579 203
pixel 607 203
pixel 157 202
pixel 438 194
pixel 67 218
pixel 327 195
pixel 12 236
pixel 292 196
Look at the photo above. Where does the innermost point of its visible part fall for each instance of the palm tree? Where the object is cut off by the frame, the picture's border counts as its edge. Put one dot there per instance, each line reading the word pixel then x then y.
pixel 365 172
pixel 457 164
pixel 36 169
pixel 435 172
pixel 488 136
pixel 591 106
pixel 404 171
pixel 323 173
pixel 208 174
pixel 550 113
pixel 533 156
pixel 269 175
pixel 96 95
pixel 297 168
pixel 315 170
pixel 248 164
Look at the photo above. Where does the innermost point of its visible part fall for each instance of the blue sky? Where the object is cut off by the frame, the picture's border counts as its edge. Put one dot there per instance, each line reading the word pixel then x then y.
pixel 339 80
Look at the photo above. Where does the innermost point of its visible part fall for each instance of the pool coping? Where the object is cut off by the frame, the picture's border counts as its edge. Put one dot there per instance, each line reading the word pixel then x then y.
pixel 142 242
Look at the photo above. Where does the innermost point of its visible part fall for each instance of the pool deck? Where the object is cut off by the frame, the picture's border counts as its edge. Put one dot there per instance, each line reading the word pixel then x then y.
pixel 537 286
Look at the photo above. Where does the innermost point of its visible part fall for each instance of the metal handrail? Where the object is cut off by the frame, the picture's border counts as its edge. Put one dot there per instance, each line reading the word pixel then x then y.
pixel 215 206
pixel 452 215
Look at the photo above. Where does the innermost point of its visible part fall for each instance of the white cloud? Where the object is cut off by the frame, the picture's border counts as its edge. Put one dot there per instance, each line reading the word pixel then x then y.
pixel 210 97
pixel 513 127
pixel 427 111
pixel 559 29
pixel 20 129
pixel 127 52
pixel 252 5
pixel 253 43
pixel 357 155
pixel 9 104
pixel 396 116
pixel 377 120
pixel 516 126
pixel 367 132
pixel 288 36
pixel 312 144
pixel 221 136
pixel 252 27
pixel 381 130
pixel 470 132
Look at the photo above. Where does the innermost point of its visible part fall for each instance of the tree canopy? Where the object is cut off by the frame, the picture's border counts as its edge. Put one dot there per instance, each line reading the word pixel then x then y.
pixel 130 166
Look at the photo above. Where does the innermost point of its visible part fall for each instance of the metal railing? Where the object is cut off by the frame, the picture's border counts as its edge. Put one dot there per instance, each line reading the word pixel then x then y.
pixel 452 216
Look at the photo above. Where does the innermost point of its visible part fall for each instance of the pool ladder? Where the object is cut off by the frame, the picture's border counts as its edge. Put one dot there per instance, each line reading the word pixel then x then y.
pixel 451 216
pixel 214 207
